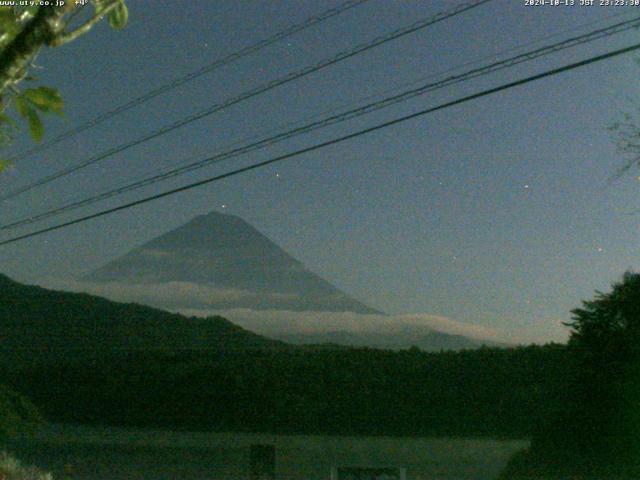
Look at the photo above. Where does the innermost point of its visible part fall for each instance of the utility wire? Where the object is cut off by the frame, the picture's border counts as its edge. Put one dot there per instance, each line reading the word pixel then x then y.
pixel 421 24
pixel 309 22
pixel 338 118
pixel 333 141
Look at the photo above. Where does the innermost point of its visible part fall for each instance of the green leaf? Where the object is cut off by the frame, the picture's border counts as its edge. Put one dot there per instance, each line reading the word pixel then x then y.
pixel 9 25
pixel 4 118
pixel 7 16
pixel 6 13
pixel 22 106
pixel 36 128
pixel 119 16
pixel 100 5
pixel 7 129
pixel 45 99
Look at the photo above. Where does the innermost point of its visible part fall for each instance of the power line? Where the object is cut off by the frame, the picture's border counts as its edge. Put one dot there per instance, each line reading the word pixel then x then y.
pixel 327 143
pixel 421 24
pixel 309 22
pixel 340 117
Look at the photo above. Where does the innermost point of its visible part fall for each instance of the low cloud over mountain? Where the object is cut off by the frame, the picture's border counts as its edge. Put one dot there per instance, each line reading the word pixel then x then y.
pixel 219 265
pixel 430 332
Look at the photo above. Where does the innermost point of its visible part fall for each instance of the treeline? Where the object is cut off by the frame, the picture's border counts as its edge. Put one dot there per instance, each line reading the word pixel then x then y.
pixel 79 359
pixel 44 326
pixel 493 392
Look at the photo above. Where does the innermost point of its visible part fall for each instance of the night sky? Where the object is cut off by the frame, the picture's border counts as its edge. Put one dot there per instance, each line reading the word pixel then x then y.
pixel 498 212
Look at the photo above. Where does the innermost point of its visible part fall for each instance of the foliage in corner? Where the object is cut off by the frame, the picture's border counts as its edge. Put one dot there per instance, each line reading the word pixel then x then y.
pixel 597 433
pixel 12 469
pixel 34 101
pixel 17 413
pixel 626 134
pixel 24 31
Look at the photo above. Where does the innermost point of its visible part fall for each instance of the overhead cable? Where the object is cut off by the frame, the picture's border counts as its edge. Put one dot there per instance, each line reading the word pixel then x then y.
pixel 327 143
pixel 334 119
pixel 421 24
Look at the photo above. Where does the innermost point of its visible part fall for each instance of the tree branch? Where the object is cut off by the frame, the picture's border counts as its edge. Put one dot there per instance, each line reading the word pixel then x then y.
pixel 67 37
pixel 41 30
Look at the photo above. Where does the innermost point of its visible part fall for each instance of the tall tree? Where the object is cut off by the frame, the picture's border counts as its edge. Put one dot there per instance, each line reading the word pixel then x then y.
pixel 605 339
pixel 597 432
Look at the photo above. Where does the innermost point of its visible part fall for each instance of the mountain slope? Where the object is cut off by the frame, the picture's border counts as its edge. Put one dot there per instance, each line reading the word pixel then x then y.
pixel 242 267
pixel 41 324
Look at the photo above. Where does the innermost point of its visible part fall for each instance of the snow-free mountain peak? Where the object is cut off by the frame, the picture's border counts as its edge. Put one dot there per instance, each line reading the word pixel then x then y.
pixel 239 265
